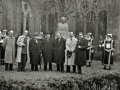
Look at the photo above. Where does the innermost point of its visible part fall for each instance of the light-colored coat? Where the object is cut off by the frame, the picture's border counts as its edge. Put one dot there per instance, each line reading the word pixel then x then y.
pixel 20 42
pixel 9 46
pixel 70 45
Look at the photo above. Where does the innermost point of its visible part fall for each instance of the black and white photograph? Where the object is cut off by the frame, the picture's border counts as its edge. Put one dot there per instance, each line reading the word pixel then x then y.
pixel 59 44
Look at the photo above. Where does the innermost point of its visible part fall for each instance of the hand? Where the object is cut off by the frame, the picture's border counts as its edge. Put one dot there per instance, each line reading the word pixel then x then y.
pixel 23 44
pixel 79 46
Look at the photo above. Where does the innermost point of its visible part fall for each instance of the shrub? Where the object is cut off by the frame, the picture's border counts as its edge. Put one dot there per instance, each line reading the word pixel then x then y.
pixel 104 82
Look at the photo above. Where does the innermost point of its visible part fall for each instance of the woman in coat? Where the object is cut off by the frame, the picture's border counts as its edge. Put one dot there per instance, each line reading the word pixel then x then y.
pixel 35 48
pixel 81 47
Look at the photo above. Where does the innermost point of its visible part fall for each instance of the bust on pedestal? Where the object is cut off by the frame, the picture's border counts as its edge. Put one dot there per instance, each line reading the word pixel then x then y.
pixel 63 28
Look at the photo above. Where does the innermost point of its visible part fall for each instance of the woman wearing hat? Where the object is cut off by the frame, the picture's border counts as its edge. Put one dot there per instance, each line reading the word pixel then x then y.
pixel 35 48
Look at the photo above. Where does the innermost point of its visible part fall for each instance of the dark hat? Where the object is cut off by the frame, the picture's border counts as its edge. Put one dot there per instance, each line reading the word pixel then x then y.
pixel 47 32
pixel 36 34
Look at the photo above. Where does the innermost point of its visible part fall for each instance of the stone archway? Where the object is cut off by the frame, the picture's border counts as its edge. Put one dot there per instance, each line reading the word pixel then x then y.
pixel 102 23
pixel 26 14
pixel 90 22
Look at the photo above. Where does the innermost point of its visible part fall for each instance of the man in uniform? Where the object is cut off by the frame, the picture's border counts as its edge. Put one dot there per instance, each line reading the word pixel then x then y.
pixel 89 52
pixel 70 52
pixel 59 57
pixel 108 52
pixel 48 51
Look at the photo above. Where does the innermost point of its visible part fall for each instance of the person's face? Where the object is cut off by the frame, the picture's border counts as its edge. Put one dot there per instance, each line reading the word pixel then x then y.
pixel 80 36
pixel 71 35
pixel 63 20
pixel 36 37
pixel 25 33
pixel 58 36
pixel 48 36
pixel 108 37
pixel 11 33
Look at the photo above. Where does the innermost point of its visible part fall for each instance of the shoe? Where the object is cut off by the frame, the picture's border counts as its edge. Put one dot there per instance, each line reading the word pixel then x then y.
pixel 104 68
pixel 109 68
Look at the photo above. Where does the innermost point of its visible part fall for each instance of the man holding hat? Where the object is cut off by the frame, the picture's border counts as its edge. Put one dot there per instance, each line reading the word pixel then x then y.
pixel 70 52
pixel 35 48
pixel 48 51
pixel 23 51
pixel 81 47
pixel 59 57
pixel 108 51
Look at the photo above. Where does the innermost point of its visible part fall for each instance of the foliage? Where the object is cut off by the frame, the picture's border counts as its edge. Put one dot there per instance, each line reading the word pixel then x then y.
pixel 99 82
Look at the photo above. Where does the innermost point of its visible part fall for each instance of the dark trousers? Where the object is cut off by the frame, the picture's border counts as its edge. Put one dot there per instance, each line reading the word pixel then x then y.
pixel 34 67
pixel 60 67
pixel 22 64
pixel 45 66
pixel 8 66
pixel 79 69
pixel 74 68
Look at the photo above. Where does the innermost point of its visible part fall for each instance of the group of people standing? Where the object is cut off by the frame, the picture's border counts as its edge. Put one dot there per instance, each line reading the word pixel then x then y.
pixel 72 53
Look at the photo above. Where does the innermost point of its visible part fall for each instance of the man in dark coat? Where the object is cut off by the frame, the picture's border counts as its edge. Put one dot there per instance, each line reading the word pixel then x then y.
pixel 81 47
pixel 48 51
pixel 35 48
pixel 59 57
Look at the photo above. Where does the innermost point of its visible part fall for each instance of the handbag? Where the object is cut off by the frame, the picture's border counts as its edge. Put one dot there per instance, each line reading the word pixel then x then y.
pixel 69 54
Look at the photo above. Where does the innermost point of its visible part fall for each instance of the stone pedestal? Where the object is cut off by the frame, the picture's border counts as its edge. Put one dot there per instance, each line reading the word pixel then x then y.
pixel 64 34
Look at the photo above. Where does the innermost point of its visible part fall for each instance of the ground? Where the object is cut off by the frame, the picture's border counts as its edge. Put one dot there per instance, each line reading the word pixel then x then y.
pixel 96 69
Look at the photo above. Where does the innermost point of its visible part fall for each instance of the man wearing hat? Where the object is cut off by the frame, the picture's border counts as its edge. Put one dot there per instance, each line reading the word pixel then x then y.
pixel 35 48
pixel 81 47
pixel 23 51
pixel 59 57
pixel 108 51
pixel 62 26
pixel 70 52
pixel 48 51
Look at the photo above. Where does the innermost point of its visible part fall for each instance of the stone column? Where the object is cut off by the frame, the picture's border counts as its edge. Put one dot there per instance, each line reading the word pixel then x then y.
pixel 85 25
pixel 47 23
pixel 24 22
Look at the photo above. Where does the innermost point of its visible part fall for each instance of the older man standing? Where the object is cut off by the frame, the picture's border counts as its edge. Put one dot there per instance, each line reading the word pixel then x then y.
pixel 70 52
pixel 23 51
pixel 9 46
pixel 48 51
pixel 35 49
pixel 81 48
pixel 59 58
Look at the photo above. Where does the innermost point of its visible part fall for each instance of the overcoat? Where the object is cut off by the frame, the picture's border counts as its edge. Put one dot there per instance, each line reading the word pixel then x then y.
pixel 59 51
pixel 9 46
pixel 70 45
pixel 48 50
pixel 35 49
pixel 20 42
pixel 81 52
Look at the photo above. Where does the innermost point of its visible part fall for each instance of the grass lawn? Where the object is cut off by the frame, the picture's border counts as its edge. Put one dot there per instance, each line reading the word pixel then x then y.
pixel 96 69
